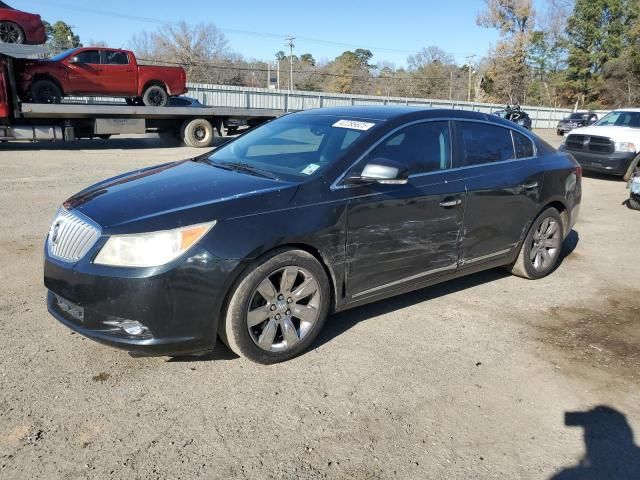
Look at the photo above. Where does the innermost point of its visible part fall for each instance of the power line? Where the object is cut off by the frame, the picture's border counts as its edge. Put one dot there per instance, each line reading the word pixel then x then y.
pixel 153 20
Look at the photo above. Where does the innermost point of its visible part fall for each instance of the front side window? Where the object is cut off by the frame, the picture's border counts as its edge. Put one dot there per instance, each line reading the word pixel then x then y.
pixel 89 56
pixel 115 58
pixel 423 148
pixel 293 147
pixel 483 143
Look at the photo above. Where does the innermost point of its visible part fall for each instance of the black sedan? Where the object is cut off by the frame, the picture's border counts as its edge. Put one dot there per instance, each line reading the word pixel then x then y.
pixel 313 213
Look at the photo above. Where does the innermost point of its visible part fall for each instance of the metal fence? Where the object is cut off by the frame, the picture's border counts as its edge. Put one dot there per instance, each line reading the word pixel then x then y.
pixel 248 97
pixel 286 101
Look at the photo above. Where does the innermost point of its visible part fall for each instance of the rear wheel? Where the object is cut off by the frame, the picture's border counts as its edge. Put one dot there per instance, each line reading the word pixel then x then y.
pixel 45 91
pixel 105 136
pixel 540 251
pixel 634 203
pixel 278 308
pixel 155 96
pixel 198 133
pixel 11 33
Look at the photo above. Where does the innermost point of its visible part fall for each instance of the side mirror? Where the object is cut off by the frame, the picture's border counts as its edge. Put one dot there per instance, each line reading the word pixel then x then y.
pixel 74 60
pixel 382 170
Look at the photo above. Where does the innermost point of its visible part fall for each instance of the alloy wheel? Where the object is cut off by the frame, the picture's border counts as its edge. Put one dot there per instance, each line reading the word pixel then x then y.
pixel 546 244
pixel 10 33
pixel 283 309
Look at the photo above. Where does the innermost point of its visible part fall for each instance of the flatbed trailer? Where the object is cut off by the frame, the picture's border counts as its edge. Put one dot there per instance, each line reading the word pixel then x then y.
pixel 194 126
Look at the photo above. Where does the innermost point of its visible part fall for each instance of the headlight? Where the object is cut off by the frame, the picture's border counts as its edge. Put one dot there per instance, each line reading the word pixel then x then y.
pixel 150 249
pixel 624 147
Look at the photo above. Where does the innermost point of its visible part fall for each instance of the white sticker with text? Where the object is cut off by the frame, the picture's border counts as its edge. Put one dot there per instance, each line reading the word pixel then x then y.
pixel 354 125
pixel 310 169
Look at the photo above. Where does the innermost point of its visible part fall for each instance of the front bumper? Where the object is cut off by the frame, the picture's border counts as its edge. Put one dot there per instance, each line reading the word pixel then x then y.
pixel 611 163
pixel 178 306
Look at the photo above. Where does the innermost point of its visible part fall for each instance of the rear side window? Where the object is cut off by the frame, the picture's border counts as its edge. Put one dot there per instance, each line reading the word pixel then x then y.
pixel 425 147
pixel 483 143
pixel 89 56
pixel 116 58
pixel 524 146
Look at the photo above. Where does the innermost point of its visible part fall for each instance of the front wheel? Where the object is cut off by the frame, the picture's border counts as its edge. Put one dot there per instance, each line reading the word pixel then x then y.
pixel 540 251
pixel 45 91
pixel 278 308
pixel 155 96
pixel 634 203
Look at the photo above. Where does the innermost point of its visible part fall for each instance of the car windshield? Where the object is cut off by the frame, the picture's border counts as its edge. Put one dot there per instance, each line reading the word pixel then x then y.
pixel 63 55
pixel 293 147
pixel 577 116
pixel 620 119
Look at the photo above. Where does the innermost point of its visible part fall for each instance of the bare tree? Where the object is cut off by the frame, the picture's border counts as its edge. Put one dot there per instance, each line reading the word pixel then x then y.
pixel 199 48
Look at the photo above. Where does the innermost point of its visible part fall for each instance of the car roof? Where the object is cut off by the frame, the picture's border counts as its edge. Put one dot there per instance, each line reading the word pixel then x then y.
pixel 383 113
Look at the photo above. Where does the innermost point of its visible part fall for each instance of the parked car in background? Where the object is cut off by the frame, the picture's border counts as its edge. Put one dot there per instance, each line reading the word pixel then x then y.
pixel 576 120
pixel 20 27
pixel 184 102
pixel 515 114
pixel 609 145
pixel 99 71
pixel 311 213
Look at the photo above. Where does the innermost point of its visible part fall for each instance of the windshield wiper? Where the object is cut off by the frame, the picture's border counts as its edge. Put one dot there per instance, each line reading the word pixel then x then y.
pixel 245 167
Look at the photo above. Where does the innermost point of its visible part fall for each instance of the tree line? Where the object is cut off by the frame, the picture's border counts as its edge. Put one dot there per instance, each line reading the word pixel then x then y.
pixel 578 53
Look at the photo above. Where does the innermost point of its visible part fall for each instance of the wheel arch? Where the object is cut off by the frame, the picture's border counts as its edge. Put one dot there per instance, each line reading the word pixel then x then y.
pixel 335 285
pixel 47 76
pixel 154 83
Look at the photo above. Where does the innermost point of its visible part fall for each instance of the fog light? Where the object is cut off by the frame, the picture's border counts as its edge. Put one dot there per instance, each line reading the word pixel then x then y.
pixel 130 327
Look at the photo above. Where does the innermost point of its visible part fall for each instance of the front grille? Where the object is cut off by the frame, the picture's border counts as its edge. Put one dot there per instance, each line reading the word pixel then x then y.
pixel 601 145
pixel 71 237
pixel 587 143
pixel 575 142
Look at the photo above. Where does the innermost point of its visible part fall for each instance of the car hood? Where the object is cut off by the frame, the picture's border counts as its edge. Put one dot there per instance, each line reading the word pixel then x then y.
pixel 177 194
pixel 615 133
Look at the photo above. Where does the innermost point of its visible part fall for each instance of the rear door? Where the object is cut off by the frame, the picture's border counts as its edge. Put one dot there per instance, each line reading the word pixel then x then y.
pixel 503 180
pixel 85 76
pixel 401 234
pixel 118 73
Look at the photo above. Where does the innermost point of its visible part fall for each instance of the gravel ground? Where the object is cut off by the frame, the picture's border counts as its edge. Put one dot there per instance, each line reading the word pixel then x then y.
pixel 469 379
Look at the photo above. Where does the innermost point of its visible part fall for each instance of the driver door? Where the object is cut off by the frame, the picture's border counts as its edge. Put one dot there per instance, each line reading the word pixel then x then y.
pixel 398 234
pixel 85 75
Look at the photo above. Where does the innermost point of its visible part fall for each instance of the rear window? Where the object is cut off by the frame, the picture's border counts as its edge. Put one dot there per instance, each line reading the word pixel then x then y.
pixel 524 146
pixel 484 143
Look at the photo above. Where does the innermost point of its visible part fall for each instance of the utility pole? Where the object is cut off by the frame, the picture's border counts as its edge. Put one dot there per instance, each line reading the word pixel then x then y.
pixel 451 86
pixel 278 76
pixel 290 43
pixel 469 58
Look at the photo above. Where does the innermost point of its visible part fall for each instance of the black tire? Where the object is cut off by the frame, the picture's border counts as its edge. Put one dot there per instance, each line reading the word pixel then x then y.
pixel 11 33
pixel 45 91
pixel 104 137
pixel 232 131
pixel 155 96
pixel 524 266
pixel 233 328
pixel 197 133
pixel 634 203
pixel 560 133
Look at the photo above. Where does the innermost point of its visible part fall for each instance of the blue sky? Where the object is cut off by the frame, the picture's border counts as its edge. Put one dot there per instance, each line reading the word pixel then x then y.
pixel 390 29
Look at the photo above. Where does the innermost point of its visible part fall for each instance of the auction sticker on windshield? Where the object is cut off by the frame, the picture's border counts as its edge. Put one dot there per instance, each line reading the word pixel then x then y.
pixel 354 125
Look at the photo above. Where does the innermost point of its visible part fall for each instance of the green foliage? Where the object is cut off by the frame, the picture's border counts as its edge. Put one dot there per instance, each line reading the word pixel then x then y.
pixel 61 37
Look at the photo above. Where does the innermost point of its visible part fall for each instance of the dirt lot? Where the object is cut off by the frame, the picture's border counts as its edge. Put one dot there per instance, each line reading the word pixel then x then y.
pixel 470 379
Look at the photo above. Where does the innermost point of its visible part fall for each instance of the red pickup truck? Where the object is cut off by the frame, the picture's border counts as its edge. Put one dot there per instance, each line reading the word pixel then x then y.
pixel 99 71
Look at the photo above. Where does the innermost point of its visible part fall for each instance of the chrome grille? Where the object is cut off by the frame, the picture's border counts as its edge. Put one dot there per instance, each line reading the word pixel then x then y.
pixel 71 237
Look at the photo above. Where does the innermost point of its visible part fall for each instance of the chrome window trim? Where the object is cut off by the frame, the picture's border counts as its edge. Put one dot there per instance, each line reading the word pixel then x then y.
pixel 337 184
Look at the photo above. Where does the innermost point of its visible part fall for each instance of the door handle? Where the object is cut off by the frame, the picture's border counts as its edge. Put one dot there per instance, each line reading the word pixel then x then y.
pixel 531 185
pixel 454 202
